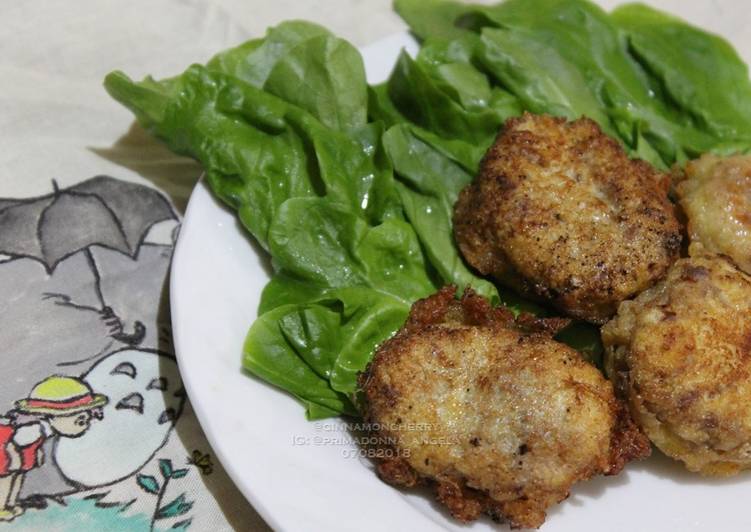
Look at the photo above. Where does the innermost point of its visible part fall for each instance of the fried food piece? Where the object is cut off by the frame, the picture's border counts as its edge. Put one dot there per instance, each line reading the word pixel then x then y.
pixel 681 354
pixel 560 213
pixel 492 412
pixel 715 194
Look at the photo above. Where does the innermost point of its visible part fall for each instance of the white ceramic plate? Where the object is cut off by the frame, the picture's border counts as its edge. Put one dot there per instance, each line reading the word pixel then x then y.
pixel 302 475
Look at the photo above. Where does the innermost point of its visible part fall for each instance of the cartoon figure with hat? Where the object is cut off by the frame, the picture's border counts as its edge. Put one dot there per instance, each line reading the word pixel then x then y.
pixel 57 406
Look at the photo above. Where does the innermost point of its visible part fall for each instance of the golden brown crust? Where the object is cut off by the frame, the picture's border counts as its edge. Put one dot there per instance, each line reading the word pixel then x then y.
pixel 715 194
pixel 498 419
pixel 560 213
pixel 627 442
pixel 681 354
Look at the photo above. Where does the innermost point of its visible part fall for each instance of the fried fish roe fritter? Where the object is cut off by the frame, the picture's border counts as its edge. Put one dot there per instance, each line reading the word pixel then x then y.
pixel 715 194
pixel 560 213
pixel 681 354
pixel 492 412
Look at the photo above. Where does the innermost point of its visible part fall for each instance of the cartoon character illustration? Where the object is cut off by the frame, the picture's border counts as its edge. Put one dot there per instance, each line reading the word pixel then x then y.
pixel 83 278
pixel 85 268
pixel 57 406
pixel 146 398
pixel 100 212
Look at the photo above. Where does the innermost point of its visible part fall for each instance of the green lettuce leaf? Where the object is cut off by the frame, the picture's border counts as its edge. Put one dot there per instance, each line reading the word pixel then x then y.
pixel 441 105
pixel 310 179
pixel 540 77
pixel 268 355
pixel 682 57
pixel 351 188
pixel 433 18
pixel 305 65
pixel 587 38
pixel 429 185
pixel 324 244
pixel 335 336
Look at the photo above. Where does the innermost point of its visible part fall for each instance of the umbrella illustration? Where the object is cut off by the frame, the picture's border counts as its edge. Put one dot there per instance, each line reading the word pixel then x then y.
pixel 101 211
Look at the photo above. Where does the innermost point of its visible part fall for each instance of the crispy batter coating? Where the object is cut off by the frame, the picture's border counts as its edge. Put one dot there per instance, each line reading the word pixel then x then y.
pixel 681 354
pixel 492 412
pixel 715 194
pixel 560 213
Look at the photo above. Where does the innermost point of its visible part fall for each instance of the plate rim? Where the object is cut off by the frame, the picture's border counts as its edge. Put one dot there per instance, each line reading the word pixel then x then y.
pixel 250 489
pixel 398 40
pixel 199 406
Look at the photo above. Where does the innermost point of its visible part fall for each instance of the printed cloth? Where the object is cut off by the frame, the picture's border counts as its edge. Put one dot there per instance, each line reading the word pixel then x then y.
pixel 96 431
